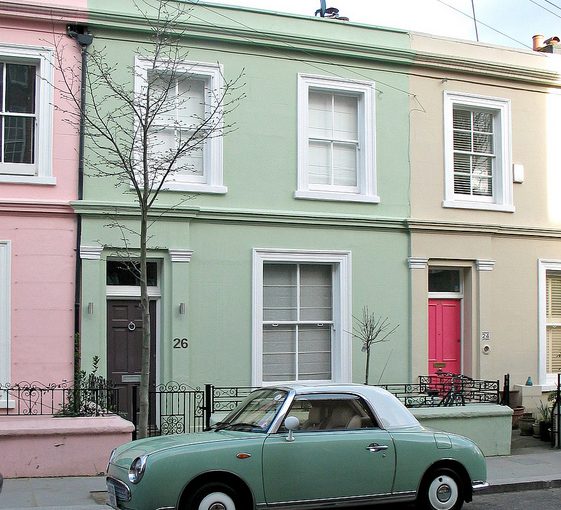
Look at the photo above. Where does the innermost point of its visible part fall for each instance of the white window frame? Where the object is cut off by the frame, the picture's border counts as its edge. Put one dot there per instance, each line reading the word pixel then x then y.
pixel 40 172
pixel 212 74
pixel 5 316
pixel 548 380
pixel 341 358
pixel 366 171
pixel 502 199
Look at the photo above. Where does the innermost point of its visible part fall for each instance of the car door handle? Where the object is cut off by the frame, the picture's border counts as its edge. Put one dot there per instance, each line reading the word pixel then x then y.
pixel 375 447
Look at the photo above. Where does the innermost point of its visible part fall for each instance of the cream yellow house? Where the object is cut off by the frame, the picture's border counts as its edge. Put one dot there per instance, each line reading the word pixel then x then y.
pixel 485 222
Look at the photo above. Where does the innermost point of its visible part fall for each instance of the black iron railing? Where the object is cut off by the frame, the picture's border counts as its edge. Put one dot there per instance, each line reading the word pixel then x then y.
pixel 175 408
pixel 178 408
pixel 37 399
pixel 444 390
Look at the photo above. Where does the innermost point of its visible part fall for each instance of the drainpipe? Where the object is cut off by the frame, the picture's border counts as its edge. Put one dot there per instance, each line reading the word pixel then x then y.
pixel 84 39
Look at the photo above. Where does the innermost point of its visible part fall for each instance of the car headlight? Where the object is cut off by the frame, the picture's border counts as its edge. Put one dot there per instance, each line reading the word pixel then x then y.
pixel 136 471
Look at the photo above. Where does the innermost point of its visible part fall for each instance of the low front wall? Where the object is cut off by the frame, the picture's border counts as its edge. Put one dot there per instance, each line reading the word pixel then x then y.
pixel 42 446
pixel 488 425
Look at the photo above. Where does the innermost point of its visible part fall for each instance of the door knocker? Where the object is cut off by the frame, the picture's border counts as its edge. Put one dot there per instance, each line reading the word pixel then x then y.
pixel 131 326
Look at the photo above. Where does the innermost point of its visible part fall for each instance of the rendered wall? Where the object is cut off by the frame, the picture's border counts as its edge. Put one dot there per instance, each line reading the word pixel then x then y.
pixel 259 210
pixel 489 426
pixel 44 446
pixel 498 252
pixel 40 224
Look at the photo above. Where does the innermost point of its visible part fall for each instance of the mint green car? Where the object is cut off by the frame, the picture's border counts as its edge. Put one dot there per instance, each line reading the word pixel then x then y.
pixel 300 446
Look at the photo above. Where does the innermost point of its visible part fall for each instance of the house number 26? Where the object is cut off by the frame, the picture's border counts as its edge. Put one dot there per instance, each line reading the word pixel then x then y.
pixel 180 343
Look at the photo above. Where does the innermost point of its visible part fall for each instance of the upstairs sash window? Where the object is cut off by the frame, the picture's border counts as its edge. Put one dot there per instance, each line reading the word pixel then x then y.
pixel 18 118
pixel 478 162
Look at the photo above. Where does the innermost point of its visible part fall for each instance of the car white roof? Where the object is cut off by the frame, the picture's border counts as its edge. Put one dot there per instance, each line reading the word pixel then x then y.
pixel 388 409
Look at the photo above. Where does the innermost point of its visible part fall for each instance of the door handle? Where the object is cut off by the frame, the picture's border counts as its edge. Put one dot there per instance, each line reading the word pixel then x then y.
pixel 375 447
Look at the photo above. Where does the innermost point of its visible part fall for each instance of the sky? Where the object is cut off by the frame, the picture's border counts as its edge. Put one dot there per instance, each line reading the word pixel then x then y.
pixel 502 22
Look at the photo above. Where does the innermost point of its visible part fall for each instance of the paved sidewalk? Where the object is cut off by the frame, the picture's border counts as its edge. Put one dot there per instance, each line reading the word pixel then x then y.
pixel 532 465
pixel 70 493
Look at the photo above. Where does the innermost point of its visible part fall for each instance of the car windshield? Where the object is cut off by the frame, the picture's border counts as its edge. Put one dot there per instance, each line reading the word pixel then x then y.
pixel 256 412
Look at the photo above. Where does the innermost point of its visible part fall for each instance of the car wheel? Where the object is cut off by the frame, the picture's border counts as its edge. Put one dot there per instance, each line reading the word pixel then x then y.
pixel 442 491
pixel 213 497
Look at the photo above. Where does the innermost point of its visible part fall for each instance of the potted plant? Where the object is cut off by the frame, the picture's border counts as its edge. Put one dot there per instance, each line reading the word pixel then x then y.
pixel 544 419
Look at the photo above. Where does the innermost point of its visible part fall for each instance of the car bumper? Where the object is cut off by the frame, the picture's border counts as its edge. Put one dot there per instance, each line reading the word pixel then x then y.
pixel 479 485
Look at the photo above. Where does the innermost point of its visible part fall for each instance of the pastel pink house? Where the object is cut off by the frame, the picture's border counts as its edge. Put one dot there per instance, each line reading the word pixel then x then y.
pixel 38 180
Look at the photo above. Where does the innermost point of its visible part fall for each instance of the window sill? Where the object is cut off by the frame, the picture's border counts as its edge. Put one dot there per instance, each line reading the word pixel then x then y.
pixel 479 206
pixel 195 188
pixel 336 197
pixel 27 179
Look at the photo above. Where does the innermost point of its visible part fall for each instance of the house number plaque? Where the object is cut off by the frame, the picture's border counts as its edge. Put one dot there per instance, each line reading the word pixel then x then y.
pixel 180 343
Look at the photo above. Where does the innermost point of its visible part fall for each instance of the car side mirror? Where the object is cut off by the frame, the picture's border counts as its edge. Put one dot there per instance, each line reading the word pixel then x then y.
pixel 291 423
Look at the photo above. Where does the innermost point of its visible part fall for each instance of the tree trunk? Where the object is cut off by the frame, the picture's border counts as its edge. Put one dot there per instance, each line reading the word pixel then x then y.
pixel 144 393
pixel 367 365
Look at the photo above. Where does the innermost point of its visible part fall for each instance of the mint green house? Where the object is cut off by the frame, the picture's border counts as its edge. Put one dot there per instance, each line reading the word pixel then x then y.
pixel 286 228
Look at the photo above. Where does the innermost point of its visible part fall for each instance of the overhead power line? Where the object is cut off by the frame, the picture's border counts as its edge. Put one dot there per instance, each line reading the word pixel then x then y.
pixel 288 45
pixel 485 24
pixel 553 4
pixel 545 8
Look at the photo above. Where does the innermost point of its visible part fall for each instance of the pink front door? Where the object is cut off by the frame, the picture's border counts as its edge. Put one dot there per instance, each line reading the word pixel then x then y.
pixel 445 337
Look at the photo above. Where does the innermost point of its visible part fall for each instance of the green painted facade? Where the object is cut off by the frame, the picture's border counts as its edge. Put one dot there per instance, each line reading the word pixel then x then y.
pixel 259 209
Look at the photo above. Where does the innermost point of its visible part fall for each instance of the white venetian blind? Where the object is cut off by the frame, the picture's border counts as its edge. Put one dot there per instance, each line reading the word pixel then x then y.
pixel 553 318
pixel 297 322
pixel 333 140
pixel 474 152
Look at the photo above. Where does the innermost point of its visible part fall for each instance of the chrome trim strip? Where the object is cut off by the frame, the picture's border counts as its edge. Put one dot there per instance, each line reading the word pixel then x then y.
pixel 478 485
pixel 344 501
pixel 166 508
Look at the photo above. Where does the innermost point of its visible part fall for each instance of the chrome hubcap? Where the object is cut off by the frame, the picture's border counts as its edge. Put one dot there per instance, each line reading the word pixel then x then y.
pixel 443 493
pixel 217 506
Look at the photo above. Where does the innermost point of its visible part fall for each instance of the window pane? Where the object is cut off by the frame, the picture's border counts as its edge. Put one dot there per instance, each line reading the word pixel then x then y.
pixel 553 349
pixel 462 141
pixel 483 143
pixel 344 165
pixel 320 120
pixel 553 296
pixel 279 292
pixel 462 163
pixel 345 118
pixel 121 272
pixel 279 353
pixel 19 136
pixel 314 353
pixel 483 121
pixel 20 88
pixel 319 169
pixel 462 119
pixel 190 102
pixel 191 164
pixel 462 184
pixel 444 280
pixel 315 293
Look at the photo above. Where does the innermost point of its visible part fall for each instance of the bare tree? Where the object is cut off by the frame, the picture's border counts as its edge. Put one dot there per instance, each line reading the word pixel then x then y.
pixel 370 330
pixel 142 136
